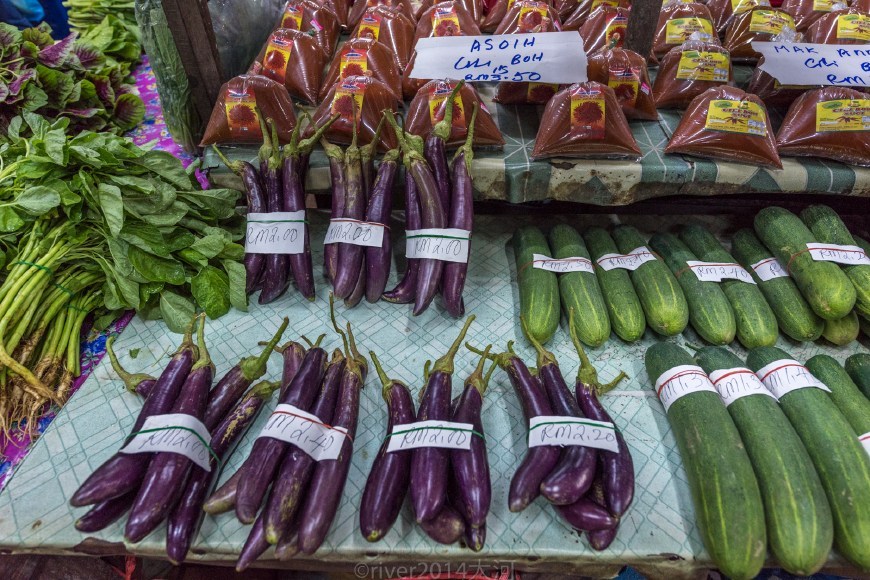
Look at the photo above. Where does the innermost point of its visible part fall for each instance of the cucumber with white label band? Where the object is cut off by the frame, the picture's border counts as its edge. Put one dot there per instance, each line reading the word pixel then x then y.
pixel 842 331
pixel 799 522
pixel 844 392
pixel 795 317
pixel 858 367
pixel 725 494
pixel 841 463
pixel 756 323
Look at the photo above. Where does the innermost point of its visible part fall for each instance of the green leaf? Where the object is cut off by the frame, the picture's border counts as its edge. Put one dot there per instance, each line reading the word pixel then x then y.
pixel 55 146
pixel 237 276
pixel 211 290
pixel 129 111
pixel 146 291
pixel 112 206
pixel 178 239
pixel 235 252
pixel 129 291
pixel 168 217
pixel 209 246
pixel 9 220
pixel 177 311
pixel 110 295
pixel 118 249
pixel 145 237
pixel 193 258
pixel 34 98
pixel 38 200
pixel 166 166
pixel 156 269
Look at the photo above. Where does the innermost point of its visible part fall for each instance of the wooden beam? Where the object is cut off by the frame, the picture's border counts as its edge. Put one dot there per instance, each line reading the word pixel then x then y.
pixel 642 24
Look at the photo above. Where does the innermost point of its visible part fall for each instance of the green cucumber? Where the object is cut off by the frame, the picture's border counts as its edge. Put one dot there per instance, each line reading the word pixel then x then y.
pixel 858 367
pixel 865 325
pixel 728 506
pixel 756 322
pixel 844 392
pixel 827 226
pixel 795 317
pixel 800 528
pixel 710 312
pixel 826 288
pixel 843 331
pixel 841 462
pixel 623 305
pixel 539 289
pixel 660 295
pixel 862 243
pixel 580 290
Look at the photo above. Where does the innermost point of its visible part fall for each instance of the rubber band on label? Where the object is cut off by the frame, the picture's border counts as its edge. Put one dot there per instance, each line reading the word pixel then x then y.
pixel 793 256
pixel 34 265
pixel 326 425
pixel 180 428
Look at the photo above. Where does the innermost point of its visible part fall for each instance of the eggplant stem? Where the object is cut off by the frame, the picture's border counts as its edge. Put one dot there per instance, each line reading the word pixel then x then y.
pixel 319 340
pixel 445 363
pixel 358 359
pixel 204 357
pixel 131 381
pixel 544 356
pixel 606 388
pixel 266 148
pixel 234 166
pixel 385 380
pixel 368 150
pixel 468 147
pixel 306 145
pixel 187 341
pixel 263 389
pixel 443 127
pixel 283 347
pixel 427 370
pixel 254 367
pixel 335 326
pixel 475 379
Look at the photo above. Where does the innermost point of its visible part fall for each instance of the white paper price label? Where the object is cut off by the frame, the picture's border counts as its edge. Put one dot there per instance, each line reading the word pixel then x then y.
pixel 173 433
pixel 561 265
pixel 768 269
pixel 572 431
pixel 800 63
pixel 737 383
pixel 281 232
pixel 680 381
pixel 630 261
pixel 447 245
pixel 784 376
pixel 865 441
pixel 348 231
pixel 291 425
pixel 431 434
pixel 848 255
pixel 718 271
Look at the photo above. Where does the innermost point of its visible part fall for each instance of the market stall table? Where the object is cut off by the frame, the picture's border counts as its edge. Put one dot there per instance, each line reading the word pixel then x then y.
pixel 658 535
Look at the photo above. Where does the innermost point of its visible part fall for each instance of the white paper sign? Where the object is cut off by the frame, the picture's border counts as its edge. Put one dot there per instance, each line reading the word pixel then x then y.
pixel 631 261
pixel 680 381
pixel 561 265
pixel 355 232
pixel 865 441
pixel 281 232
pixel 848 255
pixel 806 64
pixel 768 269
pixel 784 376
pixel 448 245
pixel 549 57
pixel 737 383
pixel 572 431
pixel 718 271
pixel 431 434
pixel 305 431
pixel 173 433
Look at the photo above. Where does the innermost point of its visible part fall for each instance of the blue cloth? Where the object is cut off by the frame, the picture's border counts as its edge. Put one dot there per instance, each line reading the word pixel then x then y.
pixel 56 17
pixel 30 9
pixel 12 15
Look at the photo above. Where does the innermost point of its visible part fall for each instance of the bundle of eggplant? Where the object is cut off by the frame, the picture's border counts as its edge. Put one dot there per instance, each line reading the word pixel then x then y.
pixel 449 486
pixel 320 397
pixel 168 463
pixel 591 488
pixel 438 196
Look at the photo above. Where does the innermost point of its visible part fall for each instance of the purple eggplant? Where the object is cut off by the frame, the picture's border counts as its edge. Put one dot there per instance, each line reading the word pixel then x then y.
pixel 617 469
pixel 461 217
pixel 186 517
pixel 254 547
pixel 387 484
pixel 406 290
pixel 336 172
pixel 275 276
pixel 475 537
pixel 367 155
pixel 296 468
pixel 435 148
pixel 234 384
pixel 349 261
pixel 288 545
pixel 378 260
pixel 292 355
pixel 447 527
pixel 123 472
pixel 140 383
pixel 470 467
pixel 330 476
pixel 262 463
pixel 359 289
pixel 105 513
pixel 430 465
pixel 223 499
pixel 168 472
pixel 600 539
pixel 586 515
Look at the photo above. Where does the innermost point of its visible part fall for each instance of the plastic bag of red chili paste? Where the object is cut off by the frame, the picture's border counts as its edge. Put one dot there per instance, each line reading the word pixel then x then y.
pixel 606 26
pixel 758 24
pixel 499 12
pixel 529 17
pixel 443 19
pixel 234 117
pixel 806 12
pixel 585 121
pixel 687 71
pixel 830 122
pixel 767 88
pixel 862 5
pixel 679 22
pixel 341 9
pixel 849 26
pixel 473 7
pixel 363 56
pixel 625 72
pixel 723 11
pixel 371 96
pixel 294 59
pixel 391 28
pixel 359 7
pixel 427 108
pixel 728 124
pixel 577 12
pixel 318 20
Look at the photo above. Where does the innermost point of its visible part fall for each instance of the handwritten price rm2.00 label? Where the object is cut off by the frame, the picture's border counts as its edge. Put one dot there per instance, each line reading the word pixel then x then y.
pixel 275 233
pixel 347 231
pixel 448 245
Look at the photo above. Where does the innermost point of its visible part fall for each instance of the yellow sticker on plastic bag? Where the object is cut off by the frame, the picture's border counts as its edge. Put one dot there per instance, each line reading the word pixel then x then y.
pixel 770 21
pixel 704 66
pixel 853 27
pixel 679 30
pixel 730 116
pixel 587 113
pixel 741 6
pixel 851 115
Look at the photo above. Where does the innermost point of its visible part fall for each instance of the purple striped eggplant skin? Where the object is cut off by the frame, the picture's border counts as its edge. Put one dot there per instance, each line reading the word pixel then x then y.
pixel 367 154
pixel 139 383
pixel 430 465
pixel 255 546
pixel 378 260
pixel 123 472
pixel 447 527
pixel 587 516
pixel 359 290
pixel 288 545
pixel 296 468
pixel 105 513
pixel 387 484
pixel 433 216
pixel 336 172
pixel 187 515
pixel 349 261
pixel 475 537
pixel 406 290
pixel 223 499
pixel 275 277
pixel 470 468
pixel 435 149
pixel 167 473
pixel 234 383
pixel 292 355
pixel 262 463
pixel 301 265
pixel 601 539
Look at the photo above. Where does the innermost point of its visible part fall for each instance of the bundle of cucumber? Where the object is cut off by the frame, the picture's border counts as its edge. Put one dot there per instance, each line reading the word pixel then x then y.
pixel 771 460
